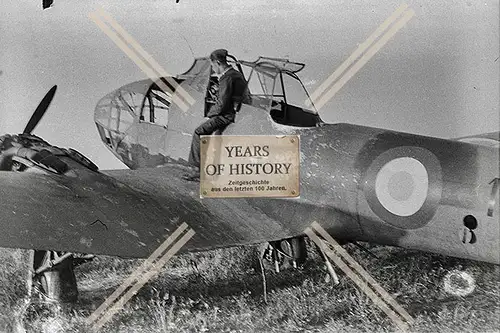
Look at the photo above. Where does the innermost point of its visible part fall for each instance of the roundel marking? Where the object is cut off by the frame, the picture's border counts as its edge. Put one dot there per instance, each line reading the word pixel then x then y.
pixel 403 186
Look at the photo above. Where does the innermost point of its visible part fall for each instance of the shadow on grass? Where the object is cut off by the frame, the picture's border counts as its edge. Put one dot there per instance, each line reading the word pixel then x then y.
pixel 199 285
pixel 222 289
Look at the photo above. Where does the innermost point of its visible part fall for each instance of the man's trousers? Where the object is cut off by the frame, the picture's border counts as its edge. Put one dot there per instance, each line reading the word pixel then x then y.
pixel 208 127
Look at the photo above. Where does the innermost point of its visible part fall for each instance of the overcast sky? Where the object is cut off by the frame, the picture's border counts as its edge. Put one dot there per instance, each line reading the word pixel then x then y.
pixel 438 76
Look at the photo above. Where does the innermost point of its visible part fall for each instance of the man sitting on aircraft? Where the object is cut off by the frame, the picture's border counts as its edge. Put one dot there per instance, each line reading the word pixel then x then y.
pixel 232 91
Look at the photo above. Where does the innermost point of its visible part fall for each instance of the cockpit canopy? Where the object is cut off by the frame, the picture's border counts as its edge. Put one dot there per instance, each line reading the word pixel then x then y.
pixel 275 86
pixel 270 82
pixel 115 112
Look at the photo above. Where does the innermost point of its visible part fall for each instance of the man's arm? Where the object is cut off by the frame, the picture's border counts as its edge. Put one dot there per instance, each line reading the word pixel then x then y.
pixel 224 103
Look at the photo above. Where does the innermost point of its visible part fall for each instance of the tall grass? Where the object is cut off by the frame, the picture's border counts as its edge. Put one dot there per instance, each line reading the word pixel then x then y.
pixel 221 291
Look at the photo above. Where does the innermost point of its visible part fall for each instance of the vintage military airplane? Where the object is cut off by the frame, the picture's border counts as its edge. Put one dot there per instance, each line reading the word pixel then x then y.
pixel 360 183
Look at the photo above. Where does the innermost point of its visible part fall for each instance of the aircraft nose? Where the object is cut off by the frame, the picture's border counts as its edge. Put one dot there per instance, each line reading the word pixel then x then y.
pixel 117 110
pixel 115 113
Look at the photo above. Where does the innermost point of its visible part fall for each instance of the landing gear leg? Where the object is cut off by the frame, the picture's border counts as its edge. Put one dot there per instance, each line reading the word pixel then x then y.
pixel 263 274
pixel 331 272
pixel 291 252
pixel 285 253
pixel 55 275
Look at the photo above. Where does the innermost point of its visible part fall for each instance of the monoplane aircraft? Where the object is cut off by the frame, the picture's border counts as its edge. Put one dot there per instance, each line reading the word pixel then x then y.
pixel 359 183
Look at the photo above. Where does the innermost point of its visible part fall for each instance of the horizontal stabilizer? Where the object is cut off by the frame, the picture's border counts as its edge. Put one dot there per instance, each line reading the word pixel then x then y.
pixel 491 139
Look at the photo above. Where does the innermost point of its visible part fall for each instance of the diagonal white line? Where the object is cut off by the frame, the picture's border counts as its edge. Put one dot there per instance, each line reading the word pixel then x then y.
pixel 361 271
pixel 145 266
pixel 364 59
pixel 156 66
pixel 361 48
pixel 145 278
pixel 355 278
pixel 131 54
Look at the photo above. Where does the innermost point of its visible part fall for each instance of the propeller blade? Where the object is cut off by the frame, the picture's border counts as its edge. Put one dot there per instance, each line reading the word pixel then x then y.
pixel 40 110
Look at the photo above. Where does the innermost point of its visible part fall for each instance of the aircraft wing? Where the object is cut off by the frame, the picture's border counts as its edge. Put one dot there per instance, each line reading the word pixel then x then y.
pixel 127 216
pixel 354 184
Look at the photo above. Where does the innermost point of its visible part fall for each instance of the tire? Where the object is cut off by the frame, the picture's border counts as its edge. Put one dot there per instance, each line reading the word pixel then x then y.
pixel 296 246
pixel 59 284
pixel 299 249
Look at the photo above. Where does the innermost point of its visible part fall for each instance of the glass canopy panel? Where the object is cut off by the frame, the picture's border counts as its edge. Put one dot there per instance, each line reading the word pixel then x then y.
pixel 103 111
pixel 116 111
pixel 296 93
pixel 156 107
pixel 128 105
pixel 261 83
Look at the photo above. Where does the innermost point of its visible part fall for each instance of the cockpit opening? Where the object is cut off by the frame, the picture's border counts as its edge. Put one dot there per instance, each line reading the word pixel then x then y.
pixel 156 106
pixel 275 86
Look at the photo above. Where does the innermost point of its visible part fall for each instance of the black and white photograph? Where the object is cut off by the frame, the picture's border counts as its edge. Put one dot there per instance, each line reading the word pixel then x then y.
pixel 249 166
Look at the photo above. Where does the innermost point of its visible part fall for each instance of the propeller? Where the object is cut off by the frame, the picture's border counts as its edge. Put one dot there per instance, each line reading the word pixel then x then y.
pixel 40 110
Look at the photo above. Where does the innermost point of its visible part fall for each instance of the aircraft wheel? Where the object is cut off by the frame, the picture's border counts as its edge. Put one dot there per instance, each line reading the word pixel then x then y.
pixel 59 284
pixel 51 285
pixel 298 249
pixel 287 253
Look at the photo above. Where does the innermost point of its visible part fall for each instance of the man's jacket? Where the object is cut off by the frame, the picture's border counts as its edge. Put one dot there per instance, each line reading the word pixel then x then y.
pixel 232 92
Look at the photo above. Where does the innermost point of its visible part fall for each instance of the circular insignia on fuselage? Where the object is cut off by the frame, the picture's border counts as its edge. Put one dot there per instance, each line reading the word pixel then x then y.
pixel 403 186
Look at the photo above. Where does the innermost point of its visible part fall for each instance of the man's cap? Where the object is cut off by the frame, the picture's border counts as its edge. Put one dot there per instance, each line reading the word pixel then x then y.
pixel 219 55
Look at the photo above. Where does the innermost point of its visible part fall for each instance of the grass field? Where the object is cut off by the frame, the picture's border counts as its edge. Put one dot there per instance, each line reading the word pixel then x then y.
pixel 220 291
